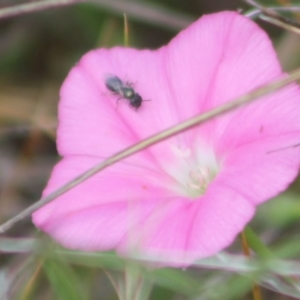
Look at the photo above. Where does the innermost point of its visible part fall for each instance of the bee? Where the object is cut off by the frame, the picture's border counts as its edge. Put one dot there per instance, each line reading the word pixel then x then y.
pixel 125 90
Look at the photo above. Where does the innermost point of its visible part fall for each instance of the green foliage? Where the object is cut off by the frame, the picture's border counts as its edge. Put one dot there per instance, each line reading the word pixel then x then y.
pixel 63 280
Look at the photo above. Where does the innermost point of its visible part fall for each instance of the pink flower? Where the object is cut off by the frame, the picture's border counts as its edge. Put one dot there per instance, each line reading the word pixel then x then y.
pixel 187 197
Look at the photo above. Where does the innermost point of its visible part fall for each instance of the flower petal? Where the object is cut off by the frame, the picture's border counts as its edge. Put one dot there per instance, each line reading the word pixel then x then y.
pixel 182 231
pixel 262 169
pixel 89 111
pixel 102 202
pixel 216 59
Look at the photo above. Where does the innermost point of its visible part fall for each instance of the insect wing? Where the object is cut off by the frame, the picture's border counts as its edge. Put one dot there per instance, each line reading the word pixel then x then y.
pixel 114 84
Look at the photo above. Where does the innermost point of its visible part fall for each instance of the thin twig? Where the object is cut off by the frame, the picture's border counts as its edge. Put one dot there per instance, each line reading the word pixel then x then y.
pixel 126 31
pixel 163 135
pixel 246 250
pixel 273 17
pixel 156 15
pixel 113 282
pixel 256 12
pixel 31 7
pixel 283 148
pixel 283 24
pixel 32 282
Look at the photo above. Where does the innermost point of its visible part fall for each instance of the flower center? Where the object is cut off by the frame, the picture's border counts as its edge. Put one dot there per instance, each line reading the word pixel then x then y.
pixel 199 179
pixel 194 170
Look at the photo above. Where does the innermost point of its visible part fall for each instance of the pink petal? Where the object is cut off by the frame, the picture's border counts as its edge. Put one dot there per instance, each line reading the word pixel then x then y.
pixel 96 214
pixel 104 187
pixel 261 169
pixel 182 231
pixel 108 127
pixel 216 59
pixel 229 56
pixel 103 214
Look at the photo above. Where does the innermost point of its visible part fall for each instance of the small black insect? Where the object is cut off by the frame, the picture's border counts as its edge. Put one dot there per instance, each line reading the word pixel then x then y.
pixel 116 85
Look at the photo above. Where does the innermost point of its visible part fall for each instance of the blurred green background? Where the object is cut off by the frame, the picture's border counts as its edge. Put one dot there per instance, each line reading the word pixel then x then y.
pixel 36 52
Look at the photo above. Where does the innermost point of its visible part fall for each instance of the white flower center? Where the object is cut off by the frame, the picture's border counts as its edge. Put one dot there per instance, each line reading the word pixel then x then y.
pixel 193 170
pixel 199 179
